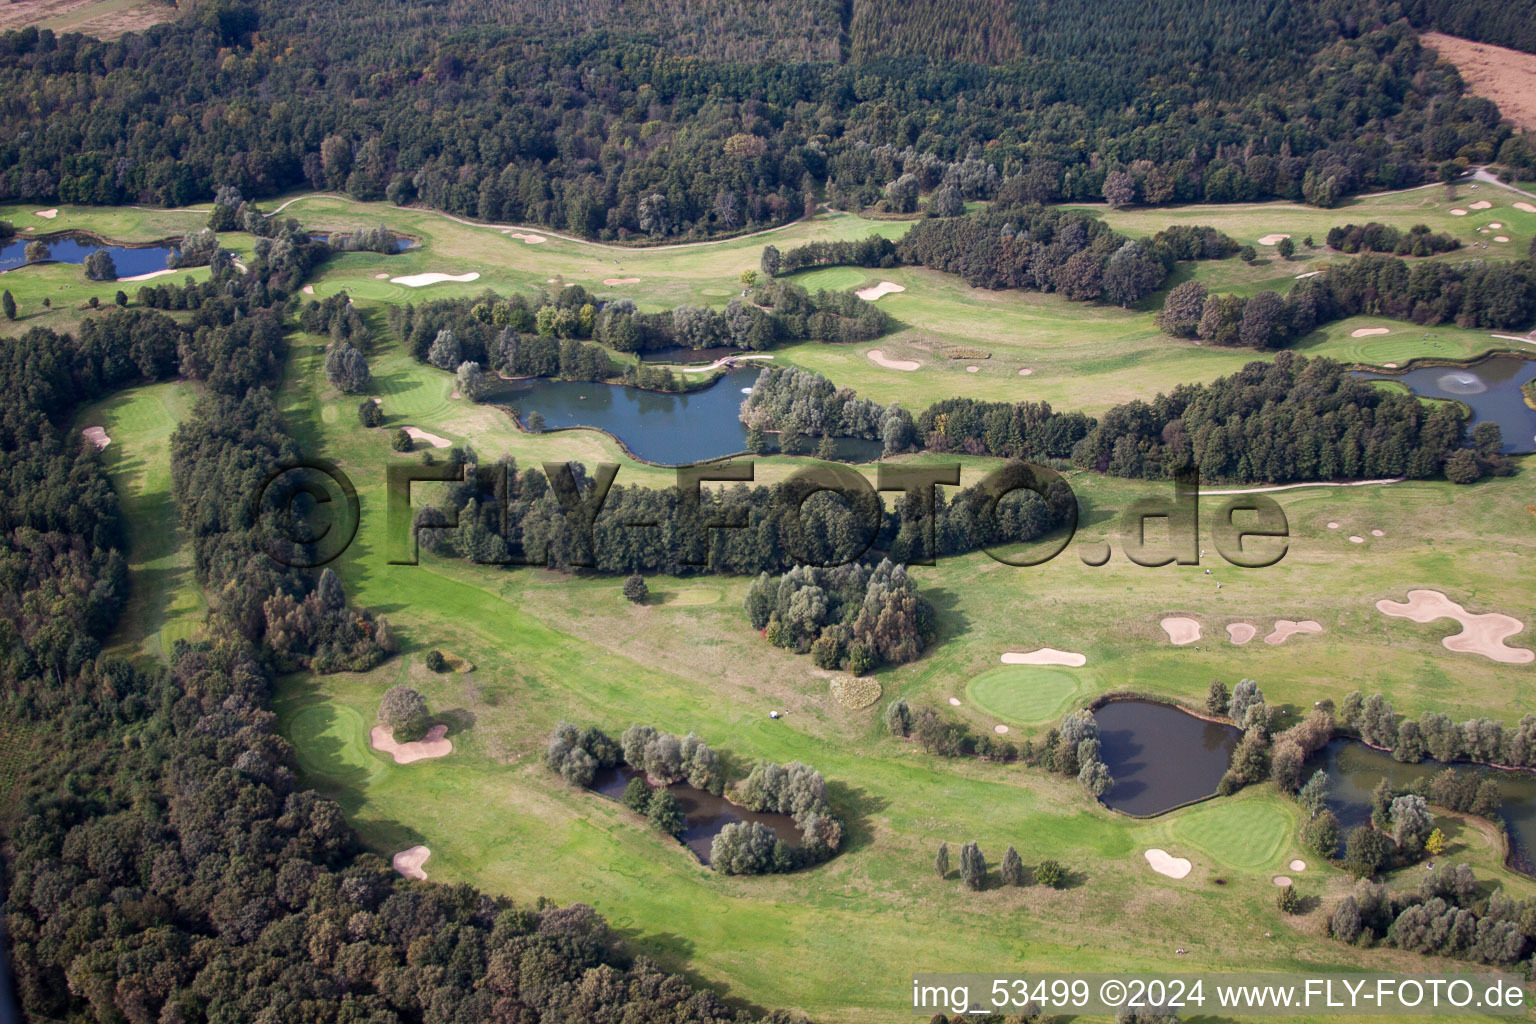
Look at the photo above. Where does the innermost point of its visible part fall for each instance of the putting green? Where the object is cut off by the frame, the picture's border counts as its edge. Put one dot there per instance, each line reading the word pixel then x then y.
pixel 1024 693
pixel 331 742
pixel 1246 834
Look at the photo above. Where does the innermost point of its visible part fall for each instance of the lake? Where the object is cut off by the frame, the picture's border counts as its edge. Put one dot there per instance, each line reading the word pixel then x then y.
pixel 1491 388
pixel 9 1011
pixel 659 427
pixel 130 261
pixel 1355 769
pixel 1160 757
pixel 704 814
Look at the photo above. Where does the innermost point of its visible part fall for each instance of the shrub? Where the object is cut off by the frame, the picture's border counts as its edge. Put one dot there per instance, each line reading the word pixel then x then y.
pixel 635 588
pixel 1288 900
pixel 1051 873
pixel 665 813
pixel 973 866
pixel 404 712
pixel 369 414
pixel 637 796
pixel 1013 868
pixel 436 662
pixel 400 441
pixel 898 717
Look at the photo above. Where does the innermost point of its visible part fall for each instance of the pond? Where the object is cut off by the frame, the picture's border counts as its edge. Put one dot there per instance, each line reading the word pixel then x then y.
pixel 666 429
pixel 1490 388
pixel 1160 757
pixel 9 1011
pixel 681 355
pixel 401 243
pixel 1354 770
pixel 704 814
pixel 130 261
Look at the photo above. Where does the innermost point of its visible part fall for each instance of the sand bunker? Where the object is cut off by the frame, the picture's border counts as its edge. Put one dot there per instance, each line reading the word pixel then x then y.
pixel 1525 208
pixel 1389 366
pixel 1285 629
pixel 422 280
pixel 1046 656
pixel 973 369
pixel 883 288
pixel 1025 372
pixel 309 289
pixel 1165 864
pixel 1273 239
pixel 1240 632
pixel 999 729
pixel 1501 238
pixel 1180 630
pixel 954 702
pixel 1495 225
pixel 1281 880
pixel 381 277
pixel 417 434
pixel 146 277
pixel 1482 204
pixel 529 239
pixel 1480 634
pixel 409 862
pixel 46 214
pixel 434 744
pixel 97 436
pixel 1310 273
pixel 1378 533
pixel 878 358
pixel 1366 332
pixel 1356 540
pixel 1297 865
pixel 1458 213
pixel 1333 526
pixel 621 280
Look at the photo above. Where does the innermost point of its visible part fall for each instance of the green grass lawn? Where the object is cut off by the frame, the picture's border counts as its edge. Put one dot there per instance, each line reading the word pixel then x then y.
pixel 548 647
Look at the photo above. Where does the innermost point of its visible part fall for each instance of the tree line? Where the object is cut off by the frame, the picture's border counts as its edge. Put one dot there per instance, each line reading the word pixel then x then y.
pixel 167 866
pixel 1488 294
pixel 596 126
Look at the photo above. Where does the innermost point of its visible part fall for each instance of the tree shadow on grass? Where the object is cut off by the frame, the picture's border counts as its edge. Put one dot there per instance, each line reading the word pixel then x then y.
pixel 457 720
pixel 855 806
pixel 950 620
pixel 673 953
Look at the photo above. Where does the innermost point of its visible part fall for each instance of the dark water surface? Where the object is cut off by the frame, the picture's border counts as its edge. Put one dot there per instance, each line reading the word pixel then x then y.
pixel 1160 757
pixel 130 262
pixel 1355 769
pixel 1491 389
pixel 704 814
pixel 667 429
pixel 10 1013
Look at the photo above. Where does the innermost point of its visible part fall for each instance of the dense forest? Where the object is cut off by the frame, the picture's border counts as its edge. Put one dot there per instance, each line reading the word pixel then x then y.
pixel 461 108
pixel 165 865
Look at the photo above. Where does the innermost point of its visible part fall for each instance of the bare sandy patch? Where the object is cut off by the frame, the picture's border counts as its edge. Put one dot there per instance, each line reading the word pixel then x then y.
pixel 1481 204
pixel 1525 207
pixel 878 358
pixel 422 280
pixel 953 702
pixel 409 862
pixel 1000 729
pixel 1366 332
pixel 1458 213
pixel 97 436
pixel 146 277
pixel 1281 880
pixel 1165 863
pixel 1480 634
pixel 1240 632
pixel 1505 76
pixel 1273 239
pixel 621 280
pixel 1181 630
pixel 45 214
pixel 1046 656
pixel 527 238
pixel 434 744
pixel 873 292
pixel 417 434
pixel 1297 865
pixel 1286 628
